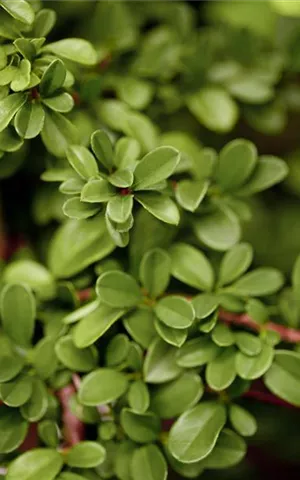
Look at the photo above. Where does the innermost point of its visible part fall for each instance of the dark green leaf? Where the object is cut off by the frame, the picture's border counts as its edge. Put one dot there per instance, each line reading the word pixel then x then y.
pixel 160 363
pixel 53 78
pixel 44 360
pixel 117 350
pixel 141 428
pixel 13 429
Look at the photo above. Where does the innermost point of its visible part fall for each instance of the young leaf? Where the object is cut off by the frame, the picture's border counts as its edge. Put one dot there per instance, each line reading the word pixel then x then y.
pixel 214 108
pixel 190 266
pixel 9 107
pixel 189 194
pixel 86 455
pixel 236 163
pixel 159 205
pixel 75 208
pixel 118 289
pixel 97 190
pixel 138 397
pixel 119 208
pixel 75 49
pixel 175 312
pixel 167 400
pixel 160 363
pixel 53 78
pixel 243 421
pixel 83 162
pixel 42 463
pixel 235 262
pixel 220 372
pixel 283 378
pixel 260 282
pixel 18 310
pixel 29 120
pixel 102 386
pixel 149 461
pixel 206 420
pixel 154 272
pixel 155 167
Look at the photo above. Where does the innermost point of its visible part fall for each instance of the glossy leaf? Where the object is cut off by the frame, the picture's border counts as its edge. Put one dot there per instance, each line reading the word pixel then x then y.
pixel 86 454
pixel 75 49
pixel 160 206
pixel 29 120
pixel 230 449
pixel 53 78
pixel 190 266
pixel 220 372
pixel 250 368
pixel 175 312
pixel 35 464
pixel 155 167
pixel 102 386
pixel 197 352
pixel 118 289
pixel 195 433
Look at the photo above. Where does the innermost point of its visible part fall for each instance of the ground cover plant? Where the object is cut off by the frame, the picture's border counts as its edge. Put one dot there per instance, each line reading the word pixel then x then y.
pixel 149 239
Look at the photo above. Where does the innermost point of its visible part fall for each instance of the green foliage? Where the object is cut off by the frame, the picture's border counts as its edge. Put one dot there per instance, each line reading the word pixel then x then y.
pixel 141 306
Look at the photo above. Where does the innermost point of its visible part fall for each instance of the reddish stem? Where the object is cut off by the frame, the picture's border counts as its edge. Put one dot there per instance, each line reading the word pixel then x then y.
pixel 31 441
pixel 73 428
pixel 287 334
pixel 84 295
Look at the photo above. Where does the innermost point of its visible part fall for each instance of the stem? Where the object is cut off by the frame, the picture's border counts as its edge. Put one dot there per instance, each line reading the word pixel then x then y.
pixel 287 334
pixel 73 428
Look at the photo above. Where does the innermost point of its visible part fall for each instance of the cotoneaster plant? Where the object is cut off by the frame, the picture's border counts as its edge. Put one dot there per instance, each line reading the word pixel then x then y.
pixel 137 324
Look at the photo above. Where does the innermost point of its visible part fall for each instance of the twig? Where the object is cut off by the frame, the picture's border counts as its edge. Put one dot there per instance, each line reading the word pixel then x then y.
pixel 287 334
pixel 73 428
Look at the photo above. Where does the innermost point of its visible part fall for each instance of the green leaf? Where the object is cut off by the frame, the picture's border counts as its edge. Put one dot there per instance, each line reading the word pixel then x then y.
pixel 102 386
pixel 190 266
pixel 248 343
pixel 138 397
pixel 190 193
pixel 220 372
pixel 175 312
pixel 235 262
pixel 9 107
pixel 117 350
pixel 141 428
pixel 296 282
pixel 66 257
pixel 95 324
pixel 62 102
pixel 173 336
pixel 250 368
pixel 137 93
pixel 140 325
pixel 44 21
pixel 74 49
pixel 29 120
pixel 18 310
pixel 197 352
pixel 260 282
pixel 37 405
pixel 72 476
pixel 219 230
pixel 49 433
pixel 230 449
pixel 44 360
pixel 16 392
pixel 169 402
pixel 214 108
pixel 269 171
pixel 39 463
pixel 204 305
pixel 86 455
pixel 118 289
pixel 20 10
pixel 3 58
pixel 75 208
pixel 283 377
pixel 121 178
pixel 195 433
pixel 123 460
pixel 155 271
pixel 9 140
pixel 161 206
pixel 102 148
pixel 21 79
pixel 236 163
pixel 243 421
pixel 58 133
pixel 149 463
pixel 140 127
pixel 83 162
pixel 127 151
pixel 119 208
pixel 97 190
pixel 81 360
pixel 32 273
pixel 80 312
pixel 72 186
pixel 13 429
pixel 155 167
pixel 160 363
pixel 10 366
pixel 53 78
pixel 222 335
